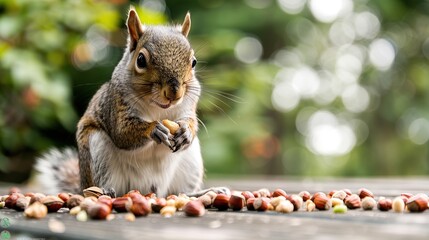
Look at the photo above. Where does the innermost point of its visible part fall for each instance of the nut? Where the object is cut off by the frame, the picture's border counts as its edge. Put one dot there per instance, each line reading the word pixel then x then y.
pixel 194 209
pixel 309 205
pixel 206 200
pixel 322 202
pixel 261 204
pixel 99 211
pixel 140 207
pixel 14 190
pixel 130 217
pixel 384 204
pixel 36 210
pixel 340 195
pixel 305 195
pixel 1 205
pixel 353 201
pixel 82 216
pixel 10 201
pixel 88 201
pixel 159 204
pixel 363 192
pixel 346 190
pixel 182 200
pixel 168 211
pixel 296 201
pixel 64 196
pixel 417 203
pixel 247 195
pixel 172 126
pixel 75 210
pixel 121 204
pixel 36 197
pixel 74 201
pixel 279 192
pixel 93 192
pixel 336 201
pixel 398 205
pixel 221 202
pixel 249 204
pixel 340 208
pixel 368 203
pixel 264 192
pixel 22 203
pixel 285 207
pixel 236 202
pixel 316 195
pixel 406 195
pixel 276 200
pixel 53 203
pixel 104 199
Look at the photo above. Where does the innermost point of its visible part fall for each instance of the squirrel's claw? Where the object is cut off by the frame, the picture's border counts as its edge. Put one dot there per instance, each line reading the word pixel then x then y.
pixel 161 134
pixel 182 138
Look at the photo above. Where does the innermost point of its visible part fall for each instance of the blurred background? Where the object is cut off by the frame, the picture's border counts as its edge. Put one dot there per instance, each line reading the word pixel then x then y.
pixel 290 87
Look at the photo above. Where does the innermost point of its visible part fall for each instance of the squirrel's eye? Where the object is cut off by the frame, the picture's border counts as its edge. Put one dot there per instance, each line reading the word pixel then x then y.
pixel 194 62
pixel 141 61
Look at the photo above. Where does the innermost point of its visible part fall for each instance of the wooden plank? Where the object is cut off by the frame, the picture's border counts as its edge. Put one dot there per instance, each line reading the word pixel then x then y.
pixel 355 224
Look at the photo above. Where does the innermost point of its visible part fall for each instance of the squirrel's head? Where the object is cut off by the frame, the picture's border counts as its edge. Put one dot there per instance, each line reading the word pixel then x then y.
pixel 161 61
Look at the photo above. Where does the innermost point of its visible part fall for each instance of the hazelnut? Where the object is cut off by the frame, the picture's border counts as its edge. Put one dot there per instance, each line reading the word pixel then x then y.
pixel 363 192
pixel 93 192
pixel 36 210
pixel 398 205
pixel 121 204
pixel 247 195
pixel 10 201
pixel 104 199
pixel 221 202
pixel 206 200
pixel 140 207
pixel 347 191
pixel 317 194
pixel 406 195
pixel 285 207
pixel 340 195
pixel 296 201
pixel 249 204
pixel 65 197
pixel 172 126
pixel 309 205
pixel 322 202
pixel 159 204
pixel 53 203
pixel 368 203
pixel 264 192
pixel 98 211
pixel 279 192
pixel 74 201
pixel 276 200
pixel 261 204
pixel 168 211
pixel 384 204
pixel 417 203
pixel 88 201
pixel 236 202
pixel 194 209
pixel 22 203
pixel 353 201
pixel 37 197
pixel 305 195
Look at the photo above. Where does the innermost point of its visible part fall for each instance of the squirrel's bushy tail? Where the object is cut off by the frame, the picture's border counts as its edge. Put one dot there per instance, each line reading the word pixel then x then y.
pixel 58 171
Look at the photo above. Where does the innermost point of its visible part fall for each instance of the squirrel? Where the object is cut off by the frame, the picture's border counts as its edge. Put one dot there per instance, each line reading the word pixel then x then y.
pixel 122 143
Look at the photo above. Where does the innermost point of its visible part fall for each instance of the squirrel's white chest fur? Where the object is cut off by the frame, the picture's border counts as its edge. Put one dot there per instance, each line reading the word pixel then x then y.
pixel 150 168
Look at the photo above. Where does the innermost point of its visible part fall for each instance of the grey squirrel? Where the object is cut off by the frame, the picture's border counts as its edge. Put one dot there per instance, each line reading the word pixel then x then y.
pixel 122 143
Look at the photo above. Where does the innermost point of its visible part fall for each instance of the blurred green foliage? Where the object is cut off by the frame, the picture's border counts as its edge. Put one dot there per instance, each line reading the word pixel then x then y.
pixel 289 87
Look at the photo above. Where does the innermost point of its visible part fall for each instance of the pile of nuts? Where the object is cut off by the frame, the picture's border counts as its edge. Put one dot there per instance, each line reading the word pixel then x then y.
pixel 95 205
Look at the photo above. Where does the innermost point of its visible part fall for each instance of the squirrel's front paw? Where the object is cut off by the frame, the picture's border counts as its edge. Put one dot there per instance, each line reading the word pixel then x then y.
pixel 182 138
pixel 161 134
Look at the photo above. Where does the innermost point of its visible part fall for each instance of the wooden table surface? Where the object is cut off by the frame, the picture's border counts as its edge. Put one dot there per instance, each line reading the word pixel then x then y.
pixel 355 224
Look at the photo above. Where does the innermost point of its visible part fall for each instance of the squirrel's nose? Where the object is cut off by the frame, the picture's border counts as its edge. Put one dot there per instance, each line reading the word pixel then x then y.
pixel 172 89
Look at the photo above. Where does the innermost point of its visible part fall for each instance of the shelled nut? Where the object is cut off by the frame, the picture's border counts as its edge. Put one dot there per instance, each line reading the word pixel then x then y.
pixel 285 207
pixel 36 210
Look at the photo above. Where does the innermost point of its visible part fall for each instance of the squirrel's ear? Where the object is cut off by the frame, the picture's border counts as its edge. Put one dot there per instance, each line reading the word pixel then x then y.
pixel 135 29
pixel 186 25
